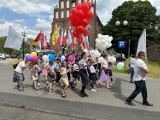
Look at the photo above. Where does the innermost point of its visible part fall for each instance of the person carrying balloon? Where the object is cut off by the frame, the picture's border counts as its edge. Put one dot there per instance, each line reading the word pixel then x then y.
pixel 64 77
pixel 34 74
pixel 104 75
pixel 18 74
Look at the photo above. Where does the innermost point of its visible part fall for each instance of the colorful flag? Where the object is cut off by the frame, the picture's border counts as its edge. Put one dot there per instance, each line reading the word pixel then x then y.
pixel 69 40
pixel 55 35
pixel 14 40
pixel 142 43
pixel 64 42
pixel 61 38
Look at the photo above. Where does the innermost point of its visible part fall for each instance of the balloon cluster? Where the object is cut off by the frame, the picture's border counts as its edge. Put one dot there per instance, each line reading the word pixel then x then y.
pixel 100 59
pixel 103 41
pixel 49 57
pixel 120 67
pixel 111 59
pixel 80 17
pixel 95 54
pixel 31 57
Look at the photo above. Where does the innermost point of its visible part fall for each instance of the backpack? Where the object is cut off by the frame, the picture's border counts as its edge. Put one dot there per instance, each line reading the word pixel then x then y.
pixel 15 65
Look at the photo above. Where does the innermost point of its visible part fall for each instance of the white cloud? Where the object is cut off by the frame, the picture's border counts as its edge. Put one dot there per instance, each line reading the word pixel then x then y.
pixel 105 8
pixel 27 6
pixel 35 7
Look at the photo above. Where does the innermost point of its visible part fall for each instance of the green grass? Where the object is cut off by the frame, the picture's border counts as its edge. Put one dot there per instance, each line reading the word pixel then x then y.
pixel 154 69
pixel 13 61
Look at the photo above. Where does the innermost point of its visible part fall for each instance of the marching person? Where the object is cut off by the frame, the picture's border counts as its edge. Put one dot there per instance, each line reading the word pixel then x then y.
pixel 83 74
pixel 64 77
pixel 18 74
pixel 140 71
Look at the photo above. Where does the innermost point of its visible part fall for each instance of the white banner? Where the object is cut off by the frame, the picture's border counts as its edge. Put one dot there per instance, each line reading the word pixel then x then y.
pixel 14 40
pixel 142 43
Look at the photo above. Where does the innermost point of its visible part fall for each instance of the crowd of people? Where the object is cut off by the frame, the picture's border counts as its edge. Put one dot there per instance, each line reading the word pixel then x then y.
pixel 85 70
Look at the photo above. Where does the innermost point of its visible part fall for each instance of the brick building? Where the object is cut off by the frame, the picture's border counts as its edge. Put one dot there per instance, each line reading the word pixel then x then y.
pixel 61 14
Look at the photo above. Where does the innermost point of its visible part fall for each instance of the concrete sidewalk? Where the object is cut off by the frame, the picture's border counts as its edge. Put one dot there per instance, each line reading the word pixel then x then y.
pixel 113 97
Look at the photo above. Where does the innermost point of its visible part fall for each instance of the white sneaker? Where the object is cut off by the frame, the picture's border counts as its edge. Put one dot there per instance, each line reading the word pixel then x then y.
pixel 38 84
pixel 93 90
pixel 112 82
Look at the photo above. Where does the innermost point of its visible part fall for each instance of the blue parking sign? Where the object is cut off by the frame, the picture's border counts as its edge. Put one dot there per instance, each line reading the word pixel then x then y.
pixel 121 44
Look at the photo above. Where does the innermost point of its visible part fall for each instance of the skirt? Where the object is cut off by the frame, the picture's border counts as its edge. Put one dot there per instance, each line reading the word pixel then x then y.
pixel 18 77
pixel 103 77
pixel 84 77
pixel 93 77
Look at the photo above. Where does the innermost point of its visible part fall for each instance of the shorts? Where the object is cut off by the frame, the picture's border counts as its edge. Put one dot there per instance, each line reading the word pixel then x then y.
pixel 34 77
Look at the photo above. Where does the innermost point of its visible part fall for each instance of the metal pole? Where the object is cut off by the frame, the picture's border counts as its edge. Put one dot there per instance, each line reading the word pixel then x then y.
pixel 23 43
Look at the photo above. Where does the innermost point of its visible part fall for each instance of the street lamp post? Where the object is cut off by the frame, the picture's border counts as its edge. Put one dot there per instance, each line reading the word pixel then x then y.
pixel 23 43
pixel 118 23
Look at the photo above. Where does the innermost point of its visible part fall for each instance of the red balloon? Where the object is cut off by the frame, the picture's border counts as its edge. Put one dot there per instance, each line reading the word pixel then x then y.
pixel 78 6
pixel 80 29
pixel 85 7
pixel 89 15
pixel 86 32
pixel 85 22
pixel 89 4
pixel 72 17
pixel 75 33
pixel 80 14
pixel 74 11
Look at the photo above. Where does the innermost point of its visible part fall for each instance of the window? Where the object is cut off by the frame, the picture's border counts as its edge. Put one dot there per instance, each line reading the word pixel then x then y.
pixel 73 3
pixel 57 15
pixel 79 1
pixel 67 13
pixel 92 9
pixel 62 14
pixel 62 4
pixel 67 3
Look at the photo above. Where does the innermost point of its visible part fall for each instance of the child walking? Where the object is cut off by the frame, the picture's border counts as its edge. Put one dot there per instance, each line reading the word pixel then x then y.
pixel 92 76
pixel 51 77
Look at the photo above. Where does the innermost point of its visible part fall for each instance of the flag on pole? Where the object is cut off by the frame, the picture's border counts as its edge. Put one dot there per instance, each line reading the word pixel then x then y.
pixel 64 42
pixel 74 42
pixel 55 35
pixel 14 40
pixel 69 40
pixel 62 34
pixel 142 43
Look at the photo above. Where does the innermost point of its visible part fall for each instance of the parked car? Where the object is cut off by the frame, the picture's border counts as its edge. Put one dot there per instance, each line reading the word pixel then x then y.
pixel 2 56
pixel 13 56
pixel 7 56
pixel 20 56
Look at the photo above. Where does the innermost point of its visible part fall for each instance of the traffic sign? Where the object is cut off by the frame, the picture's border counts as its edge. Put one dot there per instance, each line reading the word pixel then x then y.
pixel 121 44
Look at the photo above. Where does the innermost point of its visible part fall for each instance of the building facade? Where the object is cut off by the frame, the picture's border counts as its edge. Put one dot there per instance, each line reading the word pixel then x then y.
pixel 61 14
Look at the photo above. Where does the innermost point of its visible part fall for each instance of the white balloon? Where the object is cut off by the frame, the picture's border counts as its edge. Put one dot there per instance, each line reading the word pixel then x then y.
pixel 63 58
pixel 45 58
pixel 100 59
pixel 120 65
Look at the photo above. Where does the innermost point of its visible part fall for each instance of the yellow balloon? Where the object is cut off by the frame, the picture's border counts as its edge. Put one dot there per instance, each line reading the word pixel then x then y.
pixel 33 54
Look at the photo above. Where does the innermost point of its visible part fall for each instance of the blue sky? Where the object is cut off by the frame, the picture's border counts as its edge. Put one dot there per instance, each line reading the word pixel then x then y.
pixel 35 15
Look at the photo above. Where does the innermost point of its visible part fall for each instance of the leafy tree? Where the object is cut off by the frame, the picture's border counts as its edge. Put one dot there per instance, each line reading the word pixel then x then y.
pixel 140 15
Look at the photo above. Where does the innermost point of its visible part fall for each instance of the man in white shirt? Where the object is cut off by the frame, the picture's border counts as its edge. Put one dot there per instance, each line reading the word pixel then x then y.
pixel 140 71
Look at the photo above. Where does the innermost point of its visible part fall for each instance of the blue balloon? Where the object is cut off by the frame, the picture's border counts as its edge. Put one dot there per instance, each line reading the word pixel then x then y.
pixel 51 57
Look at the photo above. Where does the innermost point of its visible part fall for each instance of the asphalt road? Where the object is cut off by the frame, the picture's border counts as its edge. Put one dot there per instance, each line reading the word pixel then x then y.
pixel 102 105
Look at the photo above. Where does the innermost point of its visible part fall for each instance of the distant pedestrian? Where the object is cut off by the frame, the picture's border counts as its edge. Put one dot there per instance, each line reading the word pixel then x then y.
pixel 140 71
